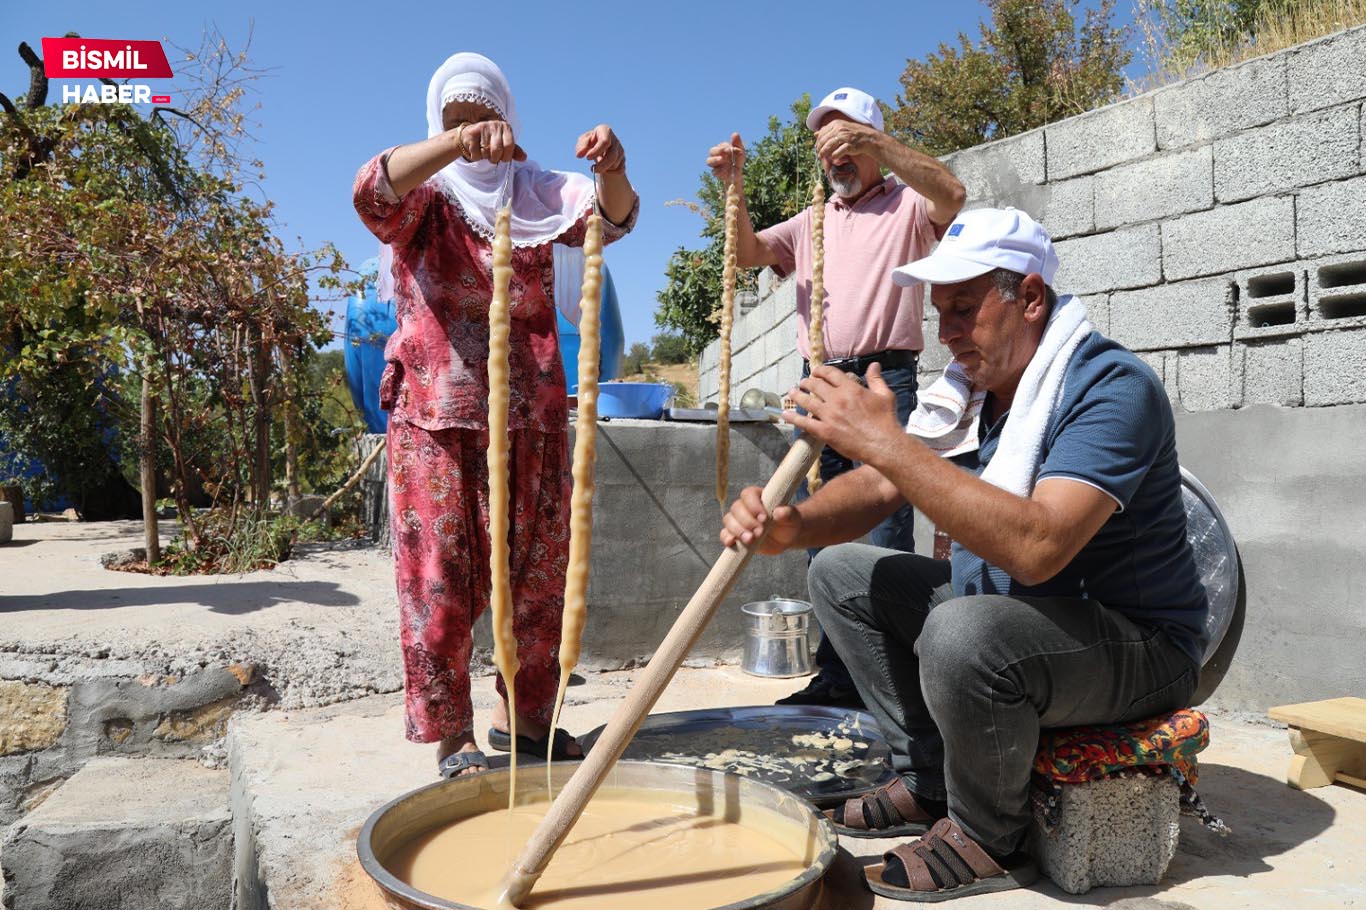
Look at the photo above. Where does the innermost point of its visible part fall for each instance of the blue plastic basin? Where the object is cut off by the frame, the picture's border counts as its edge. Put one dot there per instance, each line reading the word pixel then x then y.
pixel 645 400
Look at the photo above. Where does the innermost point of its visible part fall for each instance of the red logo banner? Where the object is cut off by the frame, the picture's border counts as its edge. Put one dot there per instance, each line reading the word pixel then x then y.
pixel 104 58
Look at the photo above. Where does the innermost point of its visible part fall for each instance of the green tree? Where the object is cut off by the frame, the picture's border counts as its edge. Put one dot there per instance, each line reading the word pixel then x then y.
pixel 1033 64
pixel 139 266
pixel 780 170
pixel 669 348
pixel 636 359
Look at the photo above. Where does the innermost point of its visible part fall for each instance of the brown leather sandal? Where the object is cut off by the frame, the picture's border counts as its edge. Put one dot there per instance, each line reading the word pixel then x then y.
pixel 891 810
pixel 945 864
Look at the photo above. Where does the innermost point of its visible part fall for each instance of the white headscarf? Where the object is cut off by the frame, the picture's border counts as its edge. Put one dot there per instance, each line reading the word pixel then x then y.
pixel 545 204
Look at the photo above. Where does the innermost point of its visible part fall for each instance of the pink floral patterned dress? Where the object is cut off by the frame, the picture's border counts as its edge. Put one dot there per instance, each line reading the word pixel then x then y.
pixel 436 390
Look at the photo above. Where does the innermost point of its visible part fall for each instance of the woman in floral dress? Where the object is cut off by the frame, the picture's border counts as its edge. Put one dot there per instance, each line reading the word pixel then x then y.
pixel 433 203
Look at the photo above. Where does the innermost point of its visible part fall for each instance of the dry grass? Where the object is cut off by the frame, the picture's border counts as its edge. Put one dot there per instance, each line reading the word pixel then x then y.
pixel 683 376
pixel 1307 20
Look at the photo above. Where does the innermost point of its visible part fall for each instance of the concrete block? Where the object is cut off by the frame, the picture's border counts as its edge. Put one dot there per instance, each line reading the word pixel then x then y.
pixel 1331 218
pixel 1117 832
pixel 125 834
pixel 1335 368
pixel 995 173
pixel 768 379
pixel 784 300
pixel 775 307
pixel 1204 378
pixel 707 386
pixel 1184 314
pixel 1272 372
pixel 1101 139
pixel 1337 292
pixel 1155 188
pixel 935 356
pixel 1163 363
pixel 1223 102
pixel 789 373
pixel 1328 71
pixel 743 331
pixel 745 363
pixel 1069 207
pixel 6 521
pixel 1229 238
pixel 766 281
pixel 1098 311
pixel 1271 301
pixel 1292 153
pixel 1126 258
pixel 708 358
pixel 781 340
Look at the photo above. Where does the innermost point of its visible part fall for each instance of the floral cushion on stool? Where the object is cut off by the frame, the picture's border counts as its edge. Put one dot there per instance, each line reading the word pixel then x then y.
pixel 1162 745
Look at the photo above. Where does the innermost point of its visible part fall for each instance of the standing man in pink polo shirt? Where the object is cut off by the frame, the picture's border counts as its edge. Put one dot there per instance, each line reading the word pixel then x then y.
pixel 873 224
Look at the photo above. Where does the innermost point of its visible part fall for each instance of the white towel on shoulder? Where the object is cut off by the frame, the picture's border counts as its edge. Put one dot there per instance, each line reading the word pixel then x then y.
pixel 948 413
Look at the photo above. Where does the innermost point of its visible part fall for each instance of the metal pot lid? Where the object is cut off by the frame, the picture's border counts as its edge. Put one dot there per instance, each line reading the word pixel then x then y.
pixel 1216 558
pixel 796 747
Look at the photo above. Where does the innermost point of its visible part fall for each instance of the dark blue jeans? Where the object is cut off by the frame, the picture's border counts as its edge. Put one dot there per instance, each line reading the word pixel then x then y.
pixel 960 686
pixel 897 532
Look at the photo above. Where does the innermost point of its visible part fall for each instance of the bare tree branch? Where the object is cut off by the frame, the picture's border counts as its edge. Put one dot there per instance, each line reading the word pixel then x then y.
pixel 37 78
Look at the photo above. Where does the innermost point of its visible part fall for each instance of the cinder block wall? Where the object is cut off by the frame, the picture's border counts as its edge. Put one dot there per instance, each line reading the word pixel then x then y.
pixel 763 345
pixel 1218 228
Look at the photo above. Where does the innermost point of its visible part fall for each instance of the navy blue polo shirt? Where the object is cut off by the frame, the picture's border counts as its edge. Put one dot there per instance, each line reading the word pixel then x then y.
pixel 1114 430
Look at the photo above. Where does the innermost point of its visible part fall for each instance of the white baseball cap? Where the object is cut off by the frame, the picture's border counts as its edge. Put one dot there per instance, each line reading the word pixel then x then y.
pixel 851 102
pixel 982 240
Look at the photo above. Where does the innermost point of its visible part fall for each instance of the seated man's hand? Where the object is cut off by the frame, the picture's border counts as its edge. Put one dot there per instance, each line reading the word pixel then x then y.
pixel 858 422
pixel 748 519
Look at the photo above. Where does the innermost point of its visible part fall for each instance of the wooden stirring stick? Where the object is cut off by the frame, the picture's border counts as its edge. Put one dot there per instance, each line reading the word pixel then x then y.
pixel 589 776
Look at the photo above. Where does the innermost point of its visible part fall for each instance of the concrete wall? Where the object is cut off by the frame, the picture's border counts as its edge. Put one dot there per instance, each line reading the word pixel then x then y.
pixel 1218 227
pixel 655 525
pixel 1289 482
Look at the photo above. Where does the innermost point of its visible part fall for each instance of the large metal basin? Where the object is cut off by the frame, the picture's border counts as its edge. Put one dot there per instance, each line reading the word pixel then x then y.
pixel 810 834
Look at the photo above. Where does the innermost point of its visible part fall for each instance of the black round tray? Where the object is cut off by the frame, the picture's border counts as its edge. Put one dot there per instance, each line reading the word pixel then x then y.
pixel 818 773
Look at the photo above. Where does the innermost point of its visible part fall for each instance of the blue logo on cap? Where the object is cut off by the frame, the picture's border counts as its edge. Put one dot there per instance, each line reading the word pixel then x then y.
pixel 841 96
pixel 954 231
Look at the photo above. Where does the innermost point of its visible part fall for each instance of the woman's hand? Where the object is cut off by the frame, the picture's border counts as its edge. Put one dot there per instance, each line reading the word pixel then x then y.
pixel 601 146
pixel 488 140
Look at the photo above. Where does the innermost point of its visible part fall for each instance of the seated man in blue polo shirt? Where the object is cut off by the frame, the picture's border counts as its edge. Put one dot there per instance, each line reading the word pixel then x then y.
pixel 1072 596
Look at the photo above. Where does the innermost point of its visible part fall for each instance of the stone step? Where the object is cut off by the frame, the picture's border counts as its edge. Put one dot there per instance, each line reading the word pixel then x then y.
pixel 124 834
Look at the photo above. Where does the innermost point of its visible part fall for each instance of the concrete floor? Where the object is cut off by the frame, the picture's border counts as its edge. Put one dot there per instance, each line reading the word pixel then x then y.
pixel 311 778
pixel 310 624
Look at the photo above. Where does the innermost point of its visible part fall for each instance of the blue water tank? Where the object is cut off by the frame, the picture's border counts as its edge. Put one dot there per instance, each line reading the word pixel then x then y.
pixel 370 322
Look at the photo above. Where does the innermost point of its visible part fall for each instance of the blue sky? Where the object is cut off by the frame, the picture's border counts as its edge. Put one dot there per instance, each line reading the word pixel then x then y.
pixel 348 79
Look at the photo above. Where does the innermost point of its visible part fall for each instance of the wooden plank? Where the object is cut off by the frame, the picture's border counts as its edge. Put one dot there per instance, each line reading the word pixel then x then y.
pixel 1343 717
pixel 1349 779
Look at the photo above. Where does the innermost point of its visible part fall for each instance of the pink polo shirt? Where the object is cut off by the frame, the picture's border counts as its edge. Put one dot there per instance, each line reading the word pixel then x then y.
pixel 864 311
